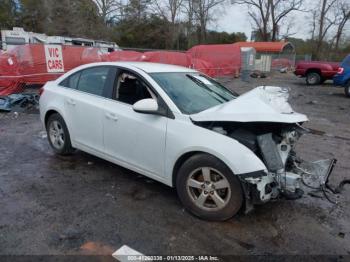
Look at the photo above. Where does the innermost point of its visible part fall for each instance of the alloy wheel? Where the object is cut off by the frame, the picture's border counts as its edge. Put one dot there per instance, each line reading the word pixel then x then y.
pixel 208 189
pixel 56 134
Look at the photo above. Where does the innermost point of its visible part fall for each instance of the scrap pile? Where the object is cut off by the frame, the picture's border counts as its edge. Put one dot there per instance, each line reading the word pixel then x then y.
pixel 19 102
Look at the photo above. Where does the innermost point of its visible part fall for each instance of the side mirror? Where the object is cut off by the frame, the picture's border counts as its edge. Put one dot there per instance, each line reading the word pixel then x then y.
pixel 146 106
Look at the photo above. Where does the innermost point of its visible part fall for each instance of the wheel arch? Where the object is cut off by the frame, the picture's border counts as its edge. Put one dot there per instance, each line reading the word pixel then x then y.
pixel 179 162
pixel 313 70
pixel 256 163
pixel 50 113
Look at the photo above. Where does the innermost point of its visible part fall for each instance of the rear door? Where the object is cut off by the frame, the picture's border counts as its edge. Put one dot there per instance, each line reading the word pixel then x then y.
pixel 85 106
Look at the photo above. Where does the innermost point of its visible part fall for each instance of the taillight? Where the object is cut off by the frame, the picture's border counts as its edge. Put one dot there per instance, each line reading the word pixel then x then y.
pixel 340 70
pixel 41 91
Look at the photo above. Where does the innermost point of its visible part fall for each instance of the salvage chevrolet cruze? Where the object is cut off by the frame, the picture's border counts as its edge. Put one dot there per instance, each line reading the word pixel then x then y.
pixel 221 151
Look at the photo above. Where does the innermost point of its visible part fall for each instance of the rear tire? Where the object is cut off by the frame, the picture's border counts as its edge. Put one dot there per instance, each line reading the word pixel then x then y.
pixel 58 135
pixel 313 78
pixel 208 188
pixel 347 89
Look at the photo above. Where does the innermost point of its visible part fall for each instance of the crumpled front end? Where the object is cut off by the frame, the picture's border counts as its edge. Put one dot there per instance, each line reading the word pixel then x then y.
pixel 285 171
pixel 264 122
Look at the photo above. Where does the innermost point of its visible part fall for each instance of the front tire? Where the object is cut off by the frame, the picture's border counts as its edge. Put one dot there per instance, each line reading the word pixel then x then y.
pixel 58 135
pixel 208 188
pixel 313 78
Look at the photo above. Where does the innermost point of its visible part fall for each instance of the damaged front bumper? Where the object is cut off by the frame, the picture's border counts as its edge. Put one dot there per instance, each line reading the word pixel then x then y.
pixel 285 173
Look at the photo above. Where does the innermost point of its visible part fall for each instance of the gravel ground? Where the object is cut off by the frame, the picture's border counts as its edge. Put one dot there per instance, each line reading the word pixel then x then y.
pixel 83 205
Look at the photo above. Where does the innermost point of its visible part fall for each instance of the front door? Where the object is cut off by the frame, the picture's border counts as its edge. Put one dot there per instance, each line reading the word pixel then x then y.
pixel 135 139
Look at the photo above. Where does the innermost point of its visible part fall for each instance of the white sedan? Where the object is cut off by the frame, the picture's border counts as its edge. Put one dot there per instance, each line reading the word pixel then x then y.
pixel 222 152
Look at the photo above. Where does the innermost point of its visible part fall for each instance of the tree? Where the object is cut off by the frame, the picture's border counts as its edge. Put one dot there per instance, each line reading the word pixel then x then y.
pixel 324 22
pixel 33 15
pixel 203 11
pixel 259 12
pixel 279 11
pixel 342 17
pixel 109 9
pixel 150 32
pixel 136 9
pixel 8 12
pixel 78 18
pixel 268 15
pixel 170 10
pixel 214 37
pixel 189 13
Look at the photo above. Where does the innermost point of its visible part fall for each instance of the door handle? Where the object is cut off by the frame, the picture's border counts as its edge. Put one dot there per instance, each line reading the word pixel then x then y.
pixel 71 102
pixel 111 116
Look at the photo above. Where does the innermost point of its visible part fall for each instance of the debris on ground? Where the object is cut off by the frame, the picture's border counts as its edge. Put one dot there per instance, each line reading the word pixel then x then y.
pixel 70 234
pixel 42 134
pixel 284 70
pixel 19 102
pixel 258 74
pixel 313 102
pixel 341 234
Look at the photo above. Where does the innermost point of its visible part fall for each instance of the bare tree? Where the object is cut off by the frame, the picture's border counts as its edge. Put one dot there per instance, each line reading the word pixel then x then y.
pixel 342 17
pixel 259 12
pixel 109 9
pixel 137 9
pixel 313 23
pixel 267 15
pixel 280 10
pixel 203 13
pixel 170 10
pixel 190 20
pixel 325 22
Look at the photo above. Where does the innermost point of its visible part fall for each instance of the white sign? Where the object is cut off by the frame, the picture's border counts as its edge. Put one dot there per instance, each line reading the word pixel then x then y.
pixel 54 59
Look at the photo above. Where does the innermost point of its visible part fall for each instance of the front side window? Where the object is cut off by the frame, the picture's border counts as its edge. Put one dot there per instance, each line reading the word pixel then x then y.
pixel 92 80
pixel 192 92
pixel 130 88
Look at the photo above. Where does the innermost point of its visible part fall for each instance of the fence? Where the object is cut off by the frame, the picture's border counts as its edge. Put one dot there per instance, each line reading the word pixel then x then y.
pixel 37 63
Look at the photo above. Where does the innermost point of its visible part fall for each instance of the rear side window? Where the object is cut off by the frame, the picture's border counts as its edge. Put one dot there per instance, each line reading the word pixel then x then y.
pixel 93 80
pixel 71 81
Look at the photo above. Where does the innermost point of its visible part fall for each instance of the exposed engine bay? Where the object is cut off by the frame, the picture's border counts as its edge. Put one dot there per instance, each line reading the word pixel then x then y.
pixel 274 144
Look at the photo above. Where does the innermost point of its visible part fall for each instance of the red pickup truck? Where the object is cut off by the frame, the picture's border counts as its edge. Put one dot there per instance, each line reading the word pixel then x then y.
pixel 316 72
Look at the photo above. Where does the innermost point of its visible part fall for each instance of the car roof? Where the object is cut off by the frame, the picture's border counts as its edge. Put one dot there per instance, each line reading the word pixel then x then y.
pixel 152 67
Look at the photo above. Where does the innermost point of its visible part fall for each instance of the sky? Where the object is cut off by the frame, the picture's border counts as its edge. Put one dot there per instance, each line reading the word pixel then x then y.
pixel 234 18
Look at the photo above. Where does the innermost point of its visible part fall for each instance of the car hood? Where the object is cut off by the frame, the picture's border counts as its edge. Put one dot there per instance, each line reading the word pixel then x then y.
pixel 262 104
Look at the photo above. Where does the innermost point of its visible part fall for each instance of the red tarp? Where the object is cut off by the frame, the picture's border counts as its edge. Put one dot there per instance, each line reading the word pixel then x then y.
pixel 225 59
pixel 124 56
pixel 26 64
pixel 167 57
pixel 203 66
pixel 37 63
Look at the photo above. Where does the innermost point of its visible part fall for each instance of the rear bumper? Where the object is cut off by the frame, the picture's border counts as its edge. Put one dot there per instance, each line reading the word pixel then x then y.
pixel 339 80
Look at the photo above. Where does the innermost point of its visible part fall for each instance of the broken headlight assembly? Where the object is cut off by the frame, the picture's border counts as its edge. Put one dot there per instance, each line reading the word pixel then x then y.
pixel 285 171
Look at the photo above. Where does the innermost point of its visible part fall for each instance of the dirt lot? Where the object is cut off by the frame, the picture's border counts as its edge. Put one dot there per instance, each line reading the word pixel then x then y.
pixel 84 205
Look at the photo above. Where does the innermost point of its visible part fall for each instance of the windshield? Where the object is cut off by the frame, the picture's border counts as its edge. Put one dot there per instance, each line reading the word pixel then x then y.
pixel 192 92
